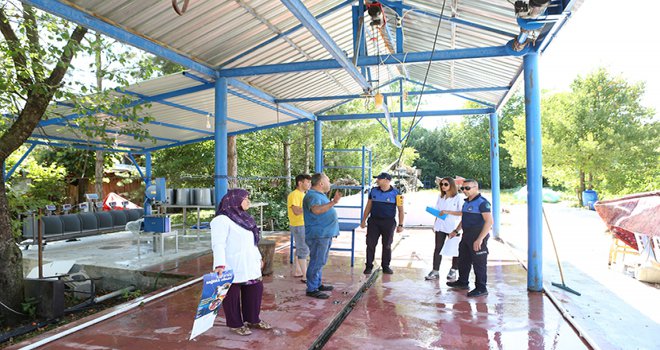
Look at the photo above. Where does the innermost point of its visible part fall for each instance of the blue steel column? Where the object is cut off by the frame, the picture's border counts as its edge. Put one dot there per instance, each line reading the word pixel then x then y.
pixel 534 173
pixel 318 147
pixel 495 172
pixel 147 180
pixel 220 138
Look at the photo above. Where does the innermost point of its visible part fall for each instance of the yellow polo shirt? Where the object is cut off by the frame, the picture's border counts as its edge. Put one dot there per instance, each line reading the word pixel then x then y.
pixel 295 198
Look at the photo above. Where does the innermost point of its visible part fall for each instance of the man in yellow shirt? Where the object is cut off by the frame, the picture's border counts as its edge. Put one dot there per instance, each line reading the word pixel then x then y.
pixel 294 205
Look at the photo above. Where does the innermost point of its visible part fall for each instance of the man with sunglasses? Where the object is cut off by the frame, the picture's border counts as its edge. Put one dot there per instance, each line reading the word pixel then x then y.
pixel 476 221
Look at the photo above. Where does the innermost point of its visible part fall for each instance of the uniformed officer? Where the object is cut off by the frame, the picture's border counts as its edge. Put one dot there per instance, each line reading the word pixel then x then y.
pixel 384 200
pixel 476 221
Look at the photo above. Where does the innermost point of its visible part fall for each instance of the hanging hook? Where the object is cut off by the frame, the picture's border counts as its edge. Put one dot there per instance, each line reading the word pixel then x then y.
pixel 182 10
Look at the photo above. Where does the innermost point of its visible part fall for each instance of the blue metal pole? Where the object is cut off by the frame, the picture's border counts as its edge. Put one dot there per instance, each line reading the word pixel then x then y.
pixel 495 172
pixel 318 147
pixel 147 180
pixel 534 173
pixel 13 169
pixel 400 105
pixel 220 138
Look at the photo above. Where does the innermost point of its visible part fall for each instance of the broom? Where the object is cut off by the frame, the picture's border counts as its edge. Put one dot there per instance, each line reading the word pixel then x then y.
pixel 561 272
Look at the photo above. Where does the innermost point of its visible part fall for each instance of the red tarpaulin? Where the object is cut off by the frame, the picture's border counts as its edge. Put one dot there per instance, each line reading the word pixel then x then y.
pixel 113 197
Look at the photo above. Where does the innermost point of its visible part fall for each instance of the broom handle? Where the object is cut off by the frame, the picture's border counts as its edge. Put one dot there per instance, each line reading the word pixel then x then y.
pixel 561 272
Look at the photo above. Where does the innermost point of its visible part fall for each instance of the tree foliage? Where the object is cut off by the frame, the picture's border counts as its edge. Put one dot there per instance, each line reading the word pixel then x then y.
pixel 463 149
pixel 596 136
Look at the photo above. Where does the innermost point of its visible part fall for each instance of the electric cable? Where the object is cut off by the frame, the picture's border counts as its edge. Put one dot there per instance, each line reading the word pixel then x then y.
pixel 426 75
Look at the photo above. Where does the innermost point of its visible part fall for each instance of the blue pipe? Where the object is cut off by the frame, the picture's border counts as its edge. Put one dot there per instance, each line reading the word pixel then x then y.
pixel 534 173
pixel 147 180
pixel 13 169
pixel 318 147
pixel 363 61
pixel 471 111
pixel 220 139
pixel 495 172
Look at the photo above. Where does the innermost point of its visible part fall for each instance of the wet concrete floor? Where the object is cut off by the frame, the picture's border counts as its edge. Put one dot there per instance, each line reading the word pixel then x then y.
pixel 400 311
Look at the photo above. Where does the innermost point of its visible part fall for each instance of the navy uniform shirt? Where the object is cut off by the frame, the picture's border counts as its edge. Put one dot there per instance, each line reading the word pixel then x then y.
pixel 383 203
pixel 472 210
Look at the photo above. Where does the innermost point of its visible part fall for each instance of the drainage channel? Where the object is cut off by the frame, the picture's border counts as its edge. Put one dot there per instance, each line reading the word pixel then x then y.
pixel 324 337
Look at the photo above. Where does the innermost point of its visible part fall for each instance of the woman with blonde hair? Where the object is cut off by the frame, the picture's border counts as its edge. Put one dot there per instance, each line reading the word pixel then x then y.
pixel 450 202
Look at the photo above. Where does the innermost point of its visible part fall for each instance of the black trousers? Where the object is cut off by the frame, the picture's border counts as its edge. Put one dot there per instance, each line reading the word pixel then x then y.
pixel 440 238
pixel 376 228
pixel 468 258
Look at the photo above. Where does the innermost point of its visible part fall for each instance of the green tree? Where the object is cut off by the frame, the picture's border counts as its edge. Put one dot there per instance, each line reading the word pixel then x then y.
pixel 35 56
pixel 597 136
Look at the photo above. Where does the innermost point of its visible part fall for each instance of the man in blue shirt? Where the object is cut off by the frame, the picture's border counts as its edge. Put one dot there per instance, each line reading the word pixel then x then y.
pixel 384 200
pixel 476 221
pixel 321 225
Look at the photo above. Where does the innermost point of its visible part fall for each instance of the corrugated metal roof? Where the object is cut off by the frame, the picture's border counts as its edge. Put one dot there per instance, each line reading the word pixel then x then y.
pixel 247 33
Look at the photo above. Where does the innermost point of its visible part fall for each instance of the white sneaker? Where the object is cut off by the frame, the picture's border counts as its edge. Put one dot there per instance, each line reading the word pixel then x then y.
pixel 433 275
pixel 452 276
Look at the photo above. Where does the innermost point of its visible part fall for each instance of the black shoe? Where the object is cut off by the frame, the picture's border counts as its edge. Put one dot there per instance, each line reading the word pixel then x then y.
pixel 325 288
pixel 387 270
pixel 367 271
pixel 317 294
pixel 477 293
pixel 458 285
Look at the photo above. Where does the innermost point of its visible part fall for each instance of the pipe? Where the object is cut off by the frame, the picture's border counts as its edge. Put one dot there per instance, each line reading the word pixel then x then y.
pixel 113 294
pixel 135 303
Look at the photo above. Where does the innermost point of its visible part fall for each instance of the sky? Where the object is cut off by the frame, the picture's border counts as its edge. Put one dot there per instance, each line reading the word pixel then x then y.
pixel 601 33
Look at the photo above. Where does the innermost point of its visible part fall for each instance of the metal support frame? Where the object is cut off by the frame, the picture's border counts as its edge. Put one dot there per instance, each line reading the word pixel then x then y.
pixel 318 147
pixel 220 138
pixel 307 19
pixel 285 33
pixel 396 94
pixel 8 175
pixel 365 61
pixel 534 173
pixel 473 111
pixel 137 166
pixel 147 182
pixel 495 171
pixel 406 7
pixel 74 15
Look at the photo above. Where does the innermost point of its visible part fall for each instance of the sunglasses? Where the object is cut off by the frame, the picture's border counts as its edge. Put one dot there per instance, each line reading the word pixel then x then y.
pixel 444 184
pixel 466 188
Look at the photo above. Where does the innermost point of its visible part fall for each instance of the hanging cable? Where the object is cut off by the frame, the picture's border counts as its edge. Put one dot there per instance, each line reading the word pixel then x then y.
pixel 426 75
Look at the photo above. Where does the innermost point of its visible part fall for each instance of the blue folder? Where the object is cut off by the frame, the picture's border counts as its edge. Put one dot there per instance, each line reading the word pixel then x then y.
pixel 436 213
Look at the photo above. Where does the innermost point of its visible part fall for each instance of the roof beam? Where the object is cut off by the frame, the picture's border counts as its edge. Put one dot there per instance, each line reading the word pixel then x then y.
pixel 264 96
pixel 398 58
pixel 284 34
pixel 473 111
pixel 66 139
pixel 112 30
pixel 406 8
pixel 396 94
pixel 155 98
pixel 88 148
pixel 305 17
pixel 238 132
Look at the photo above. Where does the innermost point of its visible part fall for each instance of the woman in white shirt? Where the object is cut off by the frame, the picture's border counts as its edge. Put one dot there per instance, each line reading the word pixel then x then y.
pixel 449 202
pixel 234 238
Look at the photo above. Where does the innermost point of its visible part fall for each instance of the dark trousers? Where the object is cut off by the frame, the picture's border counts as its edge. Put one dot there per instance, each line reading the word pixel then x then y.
pixel 376 228
pixel 468 258
pixel 243 304
pixel 440 238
